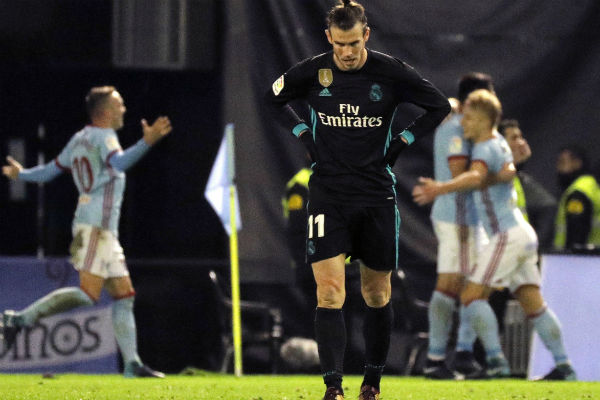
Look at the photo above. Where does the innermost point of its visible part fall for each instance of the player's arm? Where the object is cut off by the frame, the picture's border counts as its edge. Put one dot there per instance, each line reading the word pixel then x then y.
pixel 457 165
pixel 428 189
pixel 506 174
pixel 122 160
pixel 288 87
pixel 40 174
pixel 579 219
pixel 420 92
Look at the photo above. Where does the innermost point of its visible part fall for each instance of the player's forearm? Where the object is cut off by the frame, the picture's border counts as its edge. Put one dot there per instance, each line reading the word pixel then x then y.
pixel 506 174
pixel 121 161
pixel 40 174
pixel 468 180
pixel 284 114
pixel 436 106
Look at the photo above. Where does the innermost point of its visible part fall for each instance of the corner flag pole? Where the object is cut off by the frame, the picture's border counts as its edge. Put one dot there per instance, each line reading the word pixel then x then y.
pixel 233 254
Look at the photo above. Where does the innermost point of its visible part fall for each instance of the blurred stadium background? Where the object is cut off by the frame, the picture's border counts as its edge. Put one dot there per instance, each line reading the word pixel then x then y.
pixel 205 63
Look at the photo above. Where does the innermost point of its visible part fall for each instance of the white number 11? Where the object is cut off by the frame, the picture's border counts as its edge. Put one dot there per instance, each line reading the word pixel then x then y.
pixel 319 220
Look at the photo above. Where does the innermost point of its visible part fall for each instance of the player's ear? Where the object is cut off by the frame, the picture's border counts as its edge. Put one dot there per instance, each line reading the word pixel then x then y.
pixel 328 34
pixel 367 34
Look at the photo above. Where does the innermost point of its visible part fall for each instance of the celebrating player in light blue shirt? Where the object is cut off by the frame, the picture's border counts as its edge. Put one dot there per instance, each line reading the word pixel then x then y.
pixel 510 258
pixel 457 228
pixel 97 163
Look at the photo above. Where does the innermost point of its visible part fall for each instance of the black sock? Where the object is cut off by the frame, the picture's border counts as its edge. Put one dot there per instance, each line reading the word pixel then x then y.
pixel 330 331
pixel 377 331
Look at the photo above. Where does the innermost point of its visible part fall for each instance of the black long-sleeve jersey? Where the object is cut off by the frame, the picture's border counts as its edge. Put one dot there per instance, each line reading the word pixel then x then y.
pixel 351 114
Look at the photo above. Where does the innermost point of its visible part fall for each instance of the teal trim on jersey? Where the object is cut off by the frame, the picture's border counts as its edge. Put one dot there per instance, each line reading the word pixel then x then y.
pixel 313 119
pixel 299 128
pixel 389 135
pixel 406 134
pixel 397 212
pixel 398 222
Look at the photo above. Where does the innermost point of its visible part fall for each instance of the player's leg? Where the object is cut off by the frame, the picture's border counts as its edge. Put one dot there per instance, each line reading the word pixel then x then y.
pixel 496 261
pixel 330 329
pixel 327 243
pixel 453 263
pixel 464 359
pixel 375 243
pixel 476 311
pixel 59 300
pixel 525 284
pixel 119 287
pixel 376 290
pixel 547 326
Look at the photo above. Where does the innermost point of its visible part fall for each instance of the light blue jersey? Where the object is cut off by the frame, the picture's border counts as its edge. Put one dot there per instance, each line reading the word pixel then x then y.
pixel 456 207
pixel 96 162
pixel 496 204
pixel 100 186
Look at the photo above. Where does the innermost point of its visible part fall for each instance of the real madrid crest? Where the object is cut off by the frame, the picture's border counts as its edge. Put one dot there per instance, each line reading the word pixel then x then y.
pixel 376 93
pixel 325 77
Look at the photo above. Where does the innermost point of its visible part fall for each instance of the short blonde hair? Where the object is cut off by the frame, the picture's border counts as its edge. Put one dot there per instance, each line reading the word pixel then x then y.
pixel 487 102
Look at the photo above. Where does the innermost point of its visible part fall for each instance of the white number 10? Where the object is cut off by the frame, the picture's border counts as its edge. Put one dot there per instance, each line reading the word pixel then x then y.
pixel 319 220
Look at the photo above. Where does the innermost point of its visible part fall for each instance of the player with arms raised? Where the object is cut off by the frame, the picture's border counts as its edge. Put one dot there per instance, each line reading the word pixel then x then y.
pixel 97 163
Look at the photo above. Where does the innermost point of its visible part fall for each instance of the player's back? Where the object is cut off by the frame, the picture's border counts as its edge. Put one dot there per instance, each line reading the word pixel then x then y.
pixel 449 143
pixel 496 204
pixel 100 186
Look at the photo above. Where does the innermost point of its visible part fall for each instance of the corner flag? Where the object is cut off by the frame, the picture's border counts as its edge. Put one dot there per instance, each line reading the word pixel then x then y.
pixel 221 178
pixel 222 195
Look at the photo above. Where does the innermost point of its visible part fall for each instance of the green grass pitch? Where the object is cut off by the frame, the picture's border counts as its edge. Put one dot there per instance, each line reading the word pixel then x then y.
pixel 265 387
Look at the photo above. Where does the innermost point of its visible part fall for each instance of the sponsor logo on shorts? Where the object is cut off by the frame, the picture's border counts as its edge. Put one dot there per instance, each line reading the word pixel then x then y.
pixel 84 199
pixel 310 248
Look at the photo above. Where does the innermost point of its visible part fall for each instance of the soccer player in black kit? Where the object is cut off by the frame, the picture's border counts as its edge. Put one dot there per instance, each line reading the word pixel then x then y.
pixel 352 93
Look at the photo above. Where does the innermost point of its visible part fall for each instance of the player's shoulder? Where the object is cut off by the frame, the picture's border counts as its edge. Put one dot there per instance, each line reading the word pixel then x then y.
pixel 484 148
pixel 451 127
pixel 103 137
pixel 315 62
pixel 386 63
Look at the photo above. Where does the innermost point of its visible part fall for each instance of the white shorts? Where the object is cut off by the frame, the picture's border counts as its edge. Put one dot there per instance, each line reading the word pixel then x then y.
pixel 457 247
pixel 509 260
pixel 97 251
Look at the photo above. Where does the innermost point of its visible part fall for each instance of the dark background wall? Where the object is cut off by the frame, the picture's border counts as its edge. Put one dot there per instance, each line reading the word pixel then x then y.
pixel 207 62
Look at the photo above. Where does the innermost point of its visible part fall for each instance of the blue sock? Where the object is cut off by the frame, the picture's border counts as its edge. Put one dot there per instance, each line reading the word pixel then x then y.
pixel 124 328
pixel 484 323
pixel 548 328
pixel 55 302
pixel 441 308
pixel 466 333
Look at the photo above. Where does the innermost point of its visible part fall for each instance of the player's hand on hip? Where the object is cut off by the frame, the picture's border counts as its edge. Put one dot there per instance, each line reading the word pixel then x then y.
pixel 425 192
pixel 159 129
pixel 13 168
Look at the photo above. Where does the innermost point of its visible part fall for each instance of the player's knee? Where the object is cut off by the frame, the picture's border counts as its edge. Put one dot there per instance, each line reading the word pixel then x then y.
pixel 90 291
pixel 330 296
pixel 376 298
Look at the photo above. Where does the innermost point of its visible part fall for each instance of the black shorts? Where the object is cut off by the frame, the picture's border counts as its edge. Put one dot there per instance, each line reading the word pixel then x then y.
pixel 366 233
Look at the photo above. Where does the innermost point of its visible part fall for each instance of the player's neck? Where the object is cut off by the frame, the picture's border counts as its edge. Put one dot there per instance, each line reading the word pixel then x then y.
pixel 101 123
pixel 485 136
